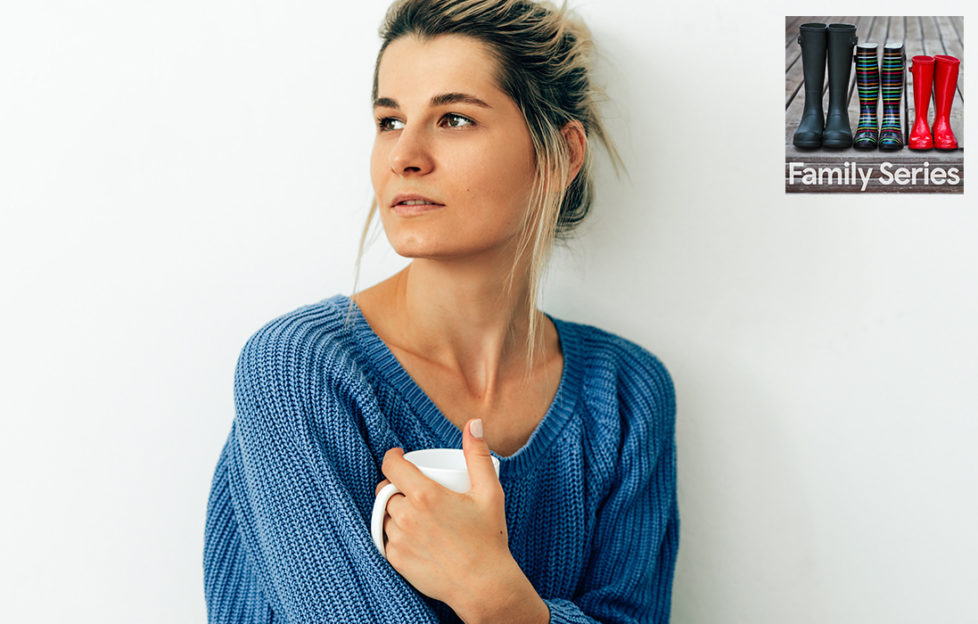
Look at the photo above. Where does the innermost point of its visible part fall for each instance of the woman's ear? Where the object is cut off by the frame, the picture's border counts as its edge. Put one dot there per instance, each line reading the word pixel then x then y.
pixel 573 133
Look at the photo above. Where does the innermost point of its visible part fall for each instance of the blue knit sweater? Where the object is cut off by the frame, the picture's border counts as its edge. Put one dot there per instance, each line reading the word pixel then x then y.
pixel 590 499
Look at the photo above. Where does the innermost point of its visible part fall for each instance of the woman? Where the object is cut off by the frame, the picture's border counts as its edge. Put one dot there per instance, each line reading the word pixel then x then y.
pixel 481 159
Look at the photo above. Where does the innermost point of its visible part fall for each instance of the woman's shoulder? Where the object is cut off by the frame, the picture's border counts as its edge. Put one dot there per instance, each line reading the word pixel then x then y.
pixel 329 318
pixel 620 374
pixel 317 337
pixel 601 348
pixel 295 366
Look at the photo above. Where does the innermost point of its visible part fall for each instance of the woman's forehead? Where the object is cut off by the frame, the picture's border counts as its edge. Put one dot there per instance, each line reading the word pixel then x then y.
pixel 441 64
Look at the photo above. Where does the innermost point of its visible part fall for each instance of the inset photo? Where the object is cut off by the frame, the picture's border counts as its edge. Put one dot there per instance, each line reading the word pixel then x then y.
pixel 874 104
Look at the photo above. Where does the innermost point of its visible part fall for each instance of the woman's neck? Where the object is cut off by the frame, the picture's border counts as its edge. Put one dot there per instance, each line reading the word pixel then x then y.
pixel 457 314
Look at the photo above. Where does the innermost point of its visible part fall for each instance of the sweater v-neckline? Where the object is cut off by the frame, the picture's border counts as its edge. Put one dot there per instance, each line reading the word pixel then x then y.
pixel 382 359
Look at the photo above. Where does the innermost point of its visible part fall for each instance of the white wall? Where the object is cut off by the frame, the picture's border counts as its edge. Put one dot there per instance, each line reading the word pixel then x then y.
pixel 174 175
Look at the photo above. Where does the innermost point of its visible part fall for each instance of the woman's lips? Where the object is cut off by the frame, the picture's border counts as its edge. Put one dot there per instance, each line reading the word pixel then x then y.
pixel 406 210
pixel 407 204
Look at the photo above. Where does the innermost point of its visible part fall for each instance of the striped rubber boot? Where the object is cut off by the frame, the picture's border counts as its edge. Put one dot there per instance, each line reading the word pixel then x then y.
pixel 868 83
pixel 891 89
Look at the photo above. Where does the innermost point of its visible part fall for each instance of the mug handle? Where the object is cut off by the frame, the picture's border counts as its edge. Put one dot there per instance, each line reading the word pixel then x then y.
pixel 377 518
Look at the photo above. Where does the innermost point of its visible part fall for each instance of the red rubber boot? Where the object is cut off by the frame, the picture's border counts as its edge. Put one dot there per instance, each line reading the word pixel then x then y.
pixel 945 81
pixel 922 69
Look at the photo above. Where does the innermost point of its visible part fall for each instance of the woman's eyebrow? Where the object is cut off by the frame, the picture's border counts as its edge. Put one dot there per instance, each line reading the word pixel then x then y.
pixel 457 98
pixel 438 100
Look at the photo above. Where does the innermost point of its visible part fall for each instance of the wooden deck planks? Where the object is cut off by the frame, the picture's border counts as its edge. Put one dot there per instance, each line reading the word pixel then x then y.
pixel 952 43
pixel 868 30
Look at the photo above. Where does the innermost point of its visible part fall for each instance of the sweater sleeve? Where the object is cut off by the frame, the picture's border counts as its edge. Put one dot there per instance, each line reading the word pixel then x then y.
pixel 231 589
pixel 636 540
pixel 287 541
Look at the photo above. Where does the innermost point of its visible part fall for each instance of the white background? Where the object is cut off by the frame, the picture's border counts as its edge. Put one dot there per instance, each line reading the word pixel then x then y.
pixel 173 175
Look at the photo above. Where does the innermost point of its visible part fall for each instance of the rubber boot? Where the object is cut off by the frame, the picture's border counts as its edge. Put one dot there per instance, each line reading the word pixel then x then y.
pixel 837 134
pixel 891 91
pixel 922 70
pixel 812 39
pixel 868 83
pixel 945 81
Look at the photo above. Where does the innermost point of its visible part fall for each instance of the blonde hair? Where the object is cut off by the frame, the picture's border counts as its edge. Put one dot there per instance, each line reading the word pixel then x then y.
pixel 543 56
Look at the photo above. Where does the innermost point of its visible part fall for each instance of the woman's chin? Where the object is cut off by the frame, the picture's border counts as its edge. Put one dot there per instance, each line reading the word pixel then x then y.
pixel 429 252
pixel 437 250
pixel 418 244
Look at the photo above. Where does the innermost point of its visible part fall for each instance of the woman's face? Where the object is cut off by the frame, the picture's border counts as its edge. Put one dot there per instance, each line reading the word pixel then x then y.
pixel 451 143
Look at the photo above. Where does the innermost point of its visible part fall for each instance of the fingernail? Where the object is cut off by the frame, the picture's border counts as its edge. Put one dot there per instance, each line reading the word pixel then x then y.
pixel 476 428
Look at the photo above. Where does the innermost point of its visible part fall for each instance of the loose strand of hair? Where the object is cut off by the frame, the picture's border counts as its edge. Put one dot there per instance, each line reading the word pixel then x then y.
pixel 360 250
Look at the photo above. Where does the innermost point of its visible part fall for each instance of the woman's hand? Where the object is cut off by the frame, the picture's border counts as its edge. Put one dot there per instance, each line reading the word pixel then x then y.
pixel 454 546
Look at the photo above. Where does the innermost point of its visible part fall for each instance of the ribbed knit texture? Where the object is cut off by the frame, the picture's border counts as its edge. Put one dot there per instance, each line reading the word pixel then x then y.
pixel 590 498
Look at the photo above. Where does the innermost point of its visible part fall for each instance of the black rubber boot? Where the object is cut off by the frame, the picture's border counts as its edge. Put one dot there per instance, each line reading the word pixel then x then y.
pixel 837 134
pixel 812 39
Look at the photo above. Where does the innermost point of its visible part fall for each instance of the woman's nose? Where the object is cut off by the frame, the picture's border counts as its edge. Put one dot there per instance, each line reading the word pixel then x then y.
pixel 411 153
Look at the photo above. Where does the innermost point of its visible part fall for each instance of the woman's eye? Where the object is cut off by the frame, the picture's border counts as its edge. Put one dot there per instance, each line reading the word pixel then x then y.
pixel 456 121
pixel 451 120
pixel 387 124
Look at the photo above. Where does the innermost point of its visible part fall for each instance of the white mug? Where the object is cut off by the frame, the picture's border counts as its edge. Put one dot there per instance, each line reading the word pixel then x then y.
pixel 444 465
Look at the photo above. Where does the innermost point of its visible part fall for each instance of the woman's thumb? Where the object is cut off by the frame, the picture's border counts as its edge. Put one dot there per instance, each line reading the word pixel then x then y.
pixel 478 459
